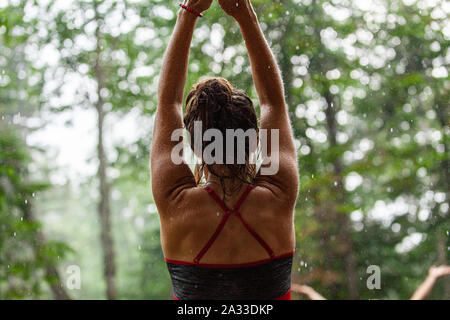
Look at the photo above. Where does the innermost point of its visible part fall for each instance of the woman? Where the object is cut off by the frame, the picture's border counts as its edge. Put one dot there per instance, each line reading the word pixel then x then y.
pixel 233 236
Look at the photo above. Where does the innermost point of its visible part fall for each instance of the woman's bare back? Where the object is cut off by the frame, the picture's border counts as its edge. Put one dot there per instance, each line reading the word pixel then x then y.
pixel 193 220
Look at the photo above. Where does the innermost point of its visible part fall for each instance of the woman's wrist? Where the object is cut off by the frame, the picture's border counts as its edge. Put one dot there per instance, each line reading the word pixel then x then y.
pixel 432 278
pixel 197 7
pixel 184 14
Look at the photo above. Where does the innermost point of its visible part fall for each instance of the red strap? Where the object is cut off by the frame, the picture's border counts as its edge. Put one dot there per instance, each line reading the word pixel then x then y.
pixel 256 236
pixel 228 212
pixel 213 238
pixel 216 198
pixel 243 197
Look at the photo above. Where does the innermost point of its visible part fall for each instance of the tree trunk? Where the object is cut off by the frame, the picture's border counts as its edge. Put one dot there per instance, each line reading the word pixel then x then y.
pixel 57 287
pixel 104 209
pixel 343 220
pixel 444 182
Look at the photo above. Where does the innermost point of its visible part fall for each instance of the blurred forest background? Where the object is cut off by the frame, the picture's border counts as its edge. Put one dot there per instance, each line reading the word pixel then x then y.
pixel 368 90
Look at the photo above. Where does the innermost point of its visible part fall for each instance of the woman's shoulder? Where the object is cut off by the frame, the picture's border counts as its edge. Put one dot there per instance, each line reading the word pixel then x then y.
pixel 272 192
pixel 264 194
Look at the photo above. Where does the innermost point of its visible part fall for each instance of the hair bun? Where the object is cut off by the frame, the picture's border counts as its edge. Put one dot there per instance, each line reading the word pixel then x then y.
pixel 215 97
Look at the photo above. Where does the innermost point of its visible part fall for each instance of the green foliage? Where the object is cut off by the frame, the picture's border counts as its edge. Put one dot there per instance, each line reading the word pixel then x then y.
pixel 23 258
pixel 369 109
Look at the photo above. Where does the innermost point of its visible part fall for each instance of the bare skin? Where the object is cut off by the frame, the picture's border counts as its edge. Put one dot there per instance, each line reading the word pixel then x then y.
pixel 188 215
pixel 424 289
pixel 308 291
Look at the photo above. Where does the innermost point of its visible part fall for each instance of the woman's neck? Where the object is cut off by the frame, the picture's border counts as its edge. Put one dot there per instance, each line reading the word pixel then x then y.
pixel 231 184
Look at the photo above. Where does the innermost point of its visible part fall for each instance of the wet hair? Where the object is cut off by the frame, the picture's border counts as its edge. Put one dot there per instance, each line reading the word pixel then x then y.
pixel 218 105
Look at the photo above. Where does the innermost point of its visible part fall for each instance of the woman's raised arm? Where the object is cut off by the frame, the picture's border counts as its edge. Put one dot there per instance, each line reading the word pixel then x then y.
pixel 168 178
pixel 270 90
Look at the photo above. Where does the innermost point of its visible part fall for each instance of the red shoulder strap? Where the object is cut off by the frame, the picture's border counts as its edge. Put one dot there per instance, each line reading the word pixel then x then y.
pixel 228 212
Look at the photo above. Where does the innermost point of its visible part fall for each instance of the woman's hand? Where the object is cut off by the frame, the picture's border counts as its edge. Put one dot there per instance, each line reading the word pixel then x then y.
pixel 198 5
pixel 236 8
pixel 436 272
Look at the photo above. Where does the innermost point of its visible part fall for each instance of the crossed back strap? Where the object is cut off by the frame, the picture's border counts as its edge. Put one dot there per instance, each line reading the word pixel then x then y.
pixel 222 223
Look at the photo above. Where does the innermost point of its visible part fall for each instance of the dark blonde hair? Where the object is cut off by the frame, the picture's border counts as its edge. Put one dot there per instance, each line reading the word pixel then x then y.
pixel 219 106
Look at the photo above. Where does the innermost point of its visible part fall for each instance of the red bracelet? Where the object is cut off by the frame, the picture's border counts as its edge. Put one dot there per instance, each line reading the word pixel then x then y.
pixel 191 10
